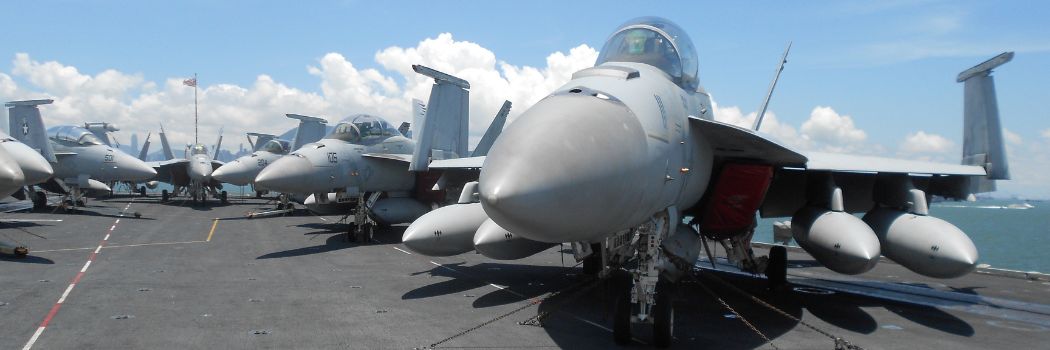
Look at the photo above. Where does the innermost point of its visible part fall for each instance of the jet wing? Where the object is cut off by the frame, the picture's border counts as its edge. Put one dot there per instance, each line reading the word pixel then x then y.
pixel 165 168
pixel 458 163
pixel 798 173
pixel 407 158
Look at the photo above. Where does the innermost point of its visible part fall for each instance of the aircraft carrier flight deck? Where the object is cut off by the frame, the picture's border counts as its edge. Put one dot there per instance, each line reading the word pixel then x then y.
pixel 191 277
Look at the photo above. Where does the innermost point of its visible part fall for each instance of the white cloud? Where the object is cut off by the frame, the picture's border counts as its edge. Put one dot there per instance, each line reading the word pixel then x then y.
pixel 138 106
pixel 1012 138
pixel 770 125
pixel 922 143
pixel 836 132
pixel 1045 133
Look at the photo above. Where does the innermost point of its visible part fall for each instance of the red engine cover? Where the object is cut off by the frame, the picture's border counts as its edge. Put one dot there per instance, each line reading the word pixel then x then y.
pixel 737 194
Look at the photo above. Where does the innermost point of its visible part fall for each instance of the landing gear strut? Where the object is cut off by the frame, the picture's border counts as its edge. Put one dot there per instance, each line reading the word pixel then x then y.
pixel 164 196
pixel 363 227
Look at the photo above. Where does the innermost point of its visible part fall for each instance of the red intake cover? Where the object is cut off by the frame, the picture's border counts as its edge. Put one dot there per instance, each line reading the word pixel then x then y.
pixel 737 194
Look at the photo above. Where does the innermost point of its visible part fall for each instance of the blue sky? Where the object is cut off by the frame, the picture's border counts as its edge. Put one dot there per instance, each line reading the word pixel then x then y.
pixel 889 65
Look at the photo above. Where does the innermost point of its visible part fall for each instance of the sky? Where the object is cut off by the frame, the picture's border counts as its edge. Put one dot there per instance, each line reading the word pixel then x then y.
pixel 868 77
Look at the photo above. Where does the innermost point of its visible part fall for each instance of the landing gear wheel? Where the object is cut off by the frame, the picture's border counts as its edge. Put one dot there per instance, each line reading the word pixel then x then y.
pixel 776 269
pixel 142 191
pixel 80 203
pixel 39 200
pixel 258 194
pixel 280 206
pixel 621 283
pixel 350 233
pixel 663 314
pixel 164 196
pixel 592 264
pixel 224 198
pixel 291 209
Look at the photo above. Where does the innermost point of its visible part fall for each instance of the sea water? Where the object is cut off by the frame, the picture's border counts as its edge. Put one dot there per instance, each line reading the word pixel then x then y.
pixel 1006 237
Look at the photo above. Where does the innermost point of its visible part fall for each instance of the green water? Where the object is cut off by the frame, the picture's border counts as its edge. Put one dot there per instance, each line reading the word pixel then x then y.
pixel 1017 239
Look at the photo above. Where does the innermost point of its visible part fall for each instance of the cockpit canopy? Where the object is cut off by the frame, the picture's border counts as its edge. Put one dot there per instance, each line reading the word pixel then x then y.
pixel 657 42
pixel 276 146
pixel 363 129
pixel 198 149
pixel 73 135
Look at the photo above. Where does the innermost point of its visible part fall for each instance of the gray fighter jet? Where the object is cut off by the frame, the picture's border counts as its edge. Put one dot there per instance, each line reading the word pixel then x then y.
pixel 366 155
pixel 618 159
pixel 268 148
pixel 191 175
pixel 81 161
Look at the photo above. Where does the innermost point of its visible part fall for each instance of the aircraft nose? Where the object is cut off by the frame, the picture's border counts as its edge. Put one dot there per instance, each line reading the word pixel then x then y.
pixel 235 172
pixel 11 177
pixel 568 169
pixel 35 168
pixel 133 169
pixel 288 174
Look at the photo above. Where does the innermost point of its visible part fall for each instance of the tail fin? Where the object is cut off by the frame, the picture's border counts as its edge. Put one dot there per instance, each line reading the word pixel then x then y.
pixel 443 132
pixel 215 151
pixel 419 112
pixel 260 140
pixel 168 155
pixel 145 148
pixel 982 133
pixel 493 132
pixel 310 129
pixel 26 125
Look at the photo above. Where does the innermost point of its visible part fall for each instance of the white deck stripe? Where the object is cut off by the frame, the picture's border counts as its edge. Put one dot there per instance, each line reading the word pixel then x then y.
pixel 66 293
pixel 32 340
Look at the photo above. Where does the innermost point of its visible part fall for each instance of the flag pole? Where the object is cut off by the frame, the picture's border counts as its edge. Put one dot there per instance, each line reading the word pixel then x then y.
pixel 195 141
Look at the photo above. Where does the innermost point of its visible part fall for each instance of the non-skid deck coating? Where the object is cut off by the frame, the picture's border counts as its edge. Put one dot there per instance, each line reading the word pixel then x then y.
pixel 183 277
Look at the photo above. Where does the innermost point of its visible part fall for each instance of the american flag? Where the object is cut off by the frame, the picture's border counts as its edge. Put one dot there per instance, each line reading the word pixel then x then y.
pixel 190 82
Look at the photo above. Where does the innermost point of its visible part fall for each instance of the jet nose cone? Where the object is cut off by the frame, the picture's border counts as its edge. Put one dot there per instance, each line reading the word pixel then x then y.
pixel 235 172
pixel 35 168
pixel 570 168
pixel 133 169
pixel 289 174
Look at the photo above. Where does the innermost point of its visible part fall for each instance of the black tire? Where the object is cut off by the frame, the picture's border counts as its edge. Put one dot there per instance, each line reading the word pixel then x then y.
pixel 622 316
pixel 142 191
pixel 164 196
pixel 280 206
pixel 663 315
pixel 258 194
pixel 224 197
pixel 776 269
pixel 350 233
pixel 592 264
pixel 39 200
pixel 80 203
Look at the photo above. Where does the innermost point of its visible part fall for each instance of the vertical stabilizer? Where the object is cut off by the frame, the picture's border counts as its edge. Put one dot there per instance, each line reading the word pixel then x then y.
pixel 493 132
pixel 419 112
pixel 443 132
pixel 260 140
pixel 145 148
pixel 218 144
pixel 982 132
pixel 26 125
pixel 310 130
pixel 168 155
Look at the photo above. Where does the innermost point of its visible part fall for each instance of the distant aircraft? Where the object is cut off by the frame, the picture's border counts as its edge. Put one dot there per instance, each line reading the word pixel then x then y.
pixel 615 159
pixel 192 175
pixel 367 161
pixel 80 159
pixel 268 148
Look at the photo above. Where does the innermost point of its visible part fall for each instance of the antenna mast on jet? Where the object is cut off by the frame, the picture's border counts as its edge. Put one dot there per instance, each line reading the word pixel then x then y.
pixel 780 68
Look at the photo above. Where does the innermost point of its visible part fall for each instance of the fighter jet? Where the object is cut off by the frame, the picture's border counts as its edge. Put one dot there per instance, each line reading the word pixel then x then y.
pixel 268 148
pixel 365 154
pixel 615 160
pixel 191 175
pixel 81 160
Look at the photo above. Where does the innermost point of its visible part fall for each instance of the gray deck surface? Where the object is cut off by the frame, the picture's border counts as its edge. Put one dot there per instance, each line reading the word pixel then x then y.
pixel 159 283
